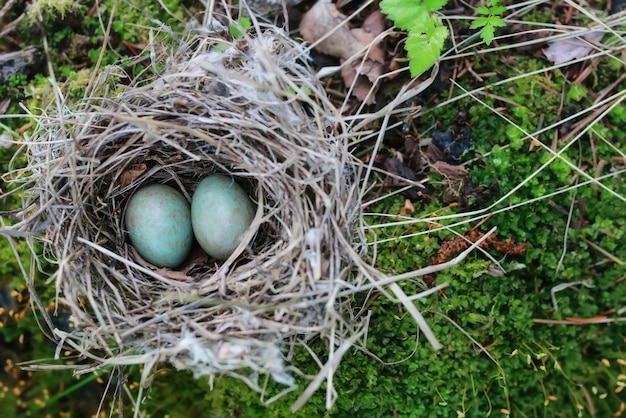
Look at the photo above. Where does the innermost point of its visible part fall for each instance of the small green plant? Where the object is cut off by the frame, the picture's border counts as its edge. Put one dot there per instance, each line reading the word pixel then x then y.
pixel 490 19
pixel 240 27
pixel 576 93
pixel 426 32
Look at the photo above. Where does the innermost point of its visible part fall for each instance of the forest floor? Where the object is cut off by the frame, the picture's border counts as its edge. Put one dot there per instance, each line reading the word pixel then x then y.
pixel 527 134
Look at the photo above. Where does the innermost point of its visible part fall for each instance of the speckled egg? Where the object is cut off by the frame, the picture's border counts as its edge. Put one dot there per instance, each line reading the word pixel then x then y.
pixel 221 213
pixel 158 220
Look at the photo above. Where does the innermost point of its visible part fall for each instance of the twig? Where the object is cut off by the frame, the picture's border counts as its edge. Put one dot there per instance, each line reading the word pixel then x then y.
pixel 580 321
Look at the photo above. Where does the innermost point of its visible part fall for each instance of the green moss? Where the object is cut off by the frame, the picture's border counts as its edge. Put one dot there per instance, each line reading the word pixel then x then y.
pixel 50 10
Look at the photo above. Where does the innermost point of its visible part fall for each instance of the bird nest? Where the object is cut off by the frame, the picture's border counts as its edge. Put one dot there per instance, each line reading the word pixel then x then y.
pixel 248 108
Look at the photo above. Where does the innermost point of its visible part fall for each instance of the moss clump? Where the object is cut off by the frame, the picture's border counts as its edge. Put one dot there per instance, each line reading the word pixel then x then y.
pixel 50 10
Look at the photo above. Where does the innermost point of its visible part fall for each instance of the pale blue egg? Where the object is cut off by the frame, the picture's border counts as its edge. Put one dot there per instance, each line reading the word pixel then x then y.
pixel 158 220
pixel 221 213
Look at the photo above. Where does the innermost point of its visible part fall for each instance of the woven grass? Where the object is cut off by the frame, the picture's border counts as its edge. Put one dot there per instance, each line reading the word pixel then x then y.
pixel 249 108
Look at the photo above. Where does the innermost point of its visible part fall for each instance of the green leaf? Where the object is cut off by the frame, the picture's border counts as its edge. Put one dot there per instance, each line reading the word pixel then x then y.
pixel 487 33
pixel 483 10
pixel 497 21
pixel 479 22
pixel 498 10
pixel 239 28
pixel 424 48
pixel 405 14
pixel 427 34
pixel 434 5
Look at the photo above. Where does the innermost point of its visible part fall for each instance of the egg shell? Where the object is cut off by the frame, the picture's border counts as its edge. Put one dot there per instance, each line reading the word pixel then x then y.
pixel 158 220
pixel 221 213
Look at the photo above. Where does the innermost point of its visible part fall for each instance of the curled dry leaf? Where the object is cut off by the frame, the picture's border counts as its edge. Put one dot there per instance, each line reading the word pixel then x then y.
pixel 132 174
pixel 362 75
pixel 324 23
pixel 435 153
pixel 457 172
pixel 324 19
pixel 396 171
pixel 396 167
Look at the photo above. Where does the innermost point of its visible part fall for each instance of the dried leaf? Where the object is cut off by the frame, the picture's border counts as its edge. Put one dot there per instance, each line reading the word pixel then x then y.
pixel 322 19
pixel 395 169
pixel 365 74
pixel 374 23
pixel 435 153
pixel 373 26
pixel 348 45
pixel 132 174
pixel 568 49
pixel 457 172
pixel 394 166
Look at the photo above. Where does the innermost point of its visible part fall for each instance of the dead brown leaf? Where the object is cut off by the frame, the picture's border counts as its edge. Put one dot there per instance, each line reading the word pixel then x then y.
pixel 365 59
pixel 435 153
pixel 361 76
pixel 373 26
pixel 132 174
pixel 457 172
pixel 322 19
pixel 394 166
